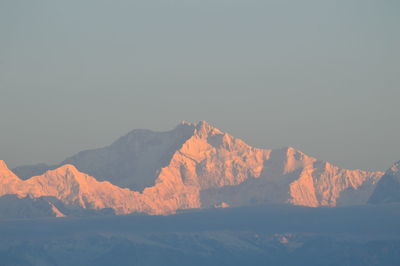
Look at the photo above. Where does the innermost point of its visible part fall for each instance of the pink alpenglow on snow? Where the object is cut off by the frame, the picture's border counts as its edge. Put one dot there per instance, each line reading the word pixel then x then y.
pixel 209 168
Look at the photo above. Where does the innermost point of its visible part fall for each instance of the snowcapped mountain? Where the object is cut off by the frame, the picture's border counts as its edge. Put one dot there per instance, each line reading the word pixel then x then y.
pixel 75 188
pixel 388 187
pixel 191 166
pixel 71 187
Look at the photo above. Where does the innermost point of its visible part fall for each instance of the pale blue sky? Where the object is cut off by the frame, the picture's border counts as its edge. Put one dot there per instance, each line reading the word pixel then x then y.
pixel 322 76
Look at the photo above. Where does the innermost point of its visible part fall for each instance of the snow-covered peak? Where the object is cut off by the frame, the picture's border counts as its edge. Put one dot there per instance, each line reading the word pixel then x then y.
pixel 8 180
pixel 65 174
pixel 194 166
pixel 3 165
pixel 186 123
pixel 6 174
pixel 395 169
pixel 185 126
pixel 388 187
pixel 65 169
pixel 203 129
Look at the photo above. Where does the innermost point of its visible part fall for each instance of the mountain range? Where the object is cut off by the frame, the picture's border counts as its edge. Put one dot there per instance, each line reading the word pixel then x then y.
pixel 192 166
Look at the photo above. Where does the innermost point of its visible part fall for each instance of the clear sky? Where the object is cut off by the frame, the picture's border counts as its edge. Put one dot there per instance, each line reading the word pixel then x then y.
pixel 321 76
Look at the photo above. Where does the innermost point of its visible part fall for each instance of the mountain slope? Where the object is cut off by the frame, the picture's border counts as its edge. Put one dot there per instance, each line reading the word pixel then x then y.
pixel 12 207
pixel 225 169
pixel 388 188
pixel 75 188
pixel 194 166
pixel 68 185
pixel 133 160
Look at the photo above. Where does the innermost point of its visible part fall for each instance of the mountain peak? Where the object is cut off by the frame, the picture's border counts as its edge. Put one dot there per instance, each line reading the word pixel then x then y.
pixel 67 168
pixel 203 124
pixel 388 187
pixel 5 171
pixel 204 129
pixel 185 126
pixel 8 180
pixel 194 165
pixel 64 170
pixel 395 167
pixel 186 123
pixel 3 165
pixel 289 150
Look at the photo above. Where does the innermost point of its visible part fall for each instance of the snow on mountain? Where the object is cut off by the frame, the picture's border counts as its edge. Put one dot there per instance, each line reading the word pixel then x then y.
pixel 225 169
pixel 192 166
pixel 9 182
pixel 133 160
pixel 75 188
pixel 388 187
pixel 71 187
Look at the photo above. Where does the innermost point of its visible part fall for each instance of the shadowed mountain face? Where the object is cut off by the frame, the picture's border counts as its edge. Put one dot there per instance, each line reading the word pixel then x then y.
pixel 388 187
pixel 133 161
pixel 192 166
pixel 25 208
pixel 27 171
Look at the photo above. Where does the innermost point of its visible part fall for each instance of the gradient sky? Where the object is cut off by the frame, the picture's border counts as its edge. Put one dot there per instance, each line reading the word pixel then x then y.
pixel 321 76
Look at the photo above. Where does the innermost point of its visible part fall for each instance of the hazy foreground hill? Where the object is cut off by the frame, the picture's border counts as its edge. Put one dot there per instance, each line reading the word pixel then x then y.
pixel 388 187
pixel 13 207
pixel 257 235
pixel 191 166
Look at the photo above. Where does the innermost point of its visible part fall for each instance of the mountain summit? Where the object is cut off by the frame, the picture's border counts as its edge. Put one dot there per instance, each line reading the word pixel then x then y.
pixel 388 188
pixel 197 166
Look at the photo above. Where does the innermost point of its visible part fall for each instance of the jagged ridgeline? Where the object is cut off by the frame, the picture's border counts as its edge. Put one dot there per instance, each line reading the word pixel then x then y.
pixel 388 187
pixel 191 166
